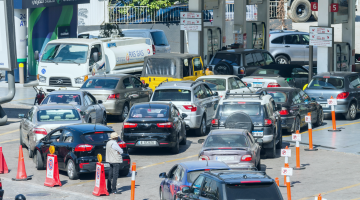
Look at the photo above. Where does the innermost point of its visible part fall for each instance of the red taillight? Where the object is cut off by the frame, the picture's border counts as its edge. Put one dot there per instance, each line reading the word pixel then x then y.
pixel 250 181
pixel 39 131
pixel 241 71
pixel 284 111
pixel 99 132
pixel 273 85
pixel 165 125
pixel 126 160
pixel 206 170
pixel 267 122
pixel 342 95
pixel 190 107
pixel 81 165
pixel 246 158
pixel 153 46
pixel 83 147
pixel 215 122
pixel 122 145
pixel 113 96
pixel 204 158
pixel 130 125
pixel 0 184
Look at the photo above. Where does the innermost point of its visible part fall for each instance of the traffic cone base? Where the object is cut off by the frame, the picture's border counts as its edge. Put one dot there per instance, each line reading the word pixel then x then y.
pixel 21 172
pixel 298 168
pixel 3 166
pixel 336 130
pixel 313 149
pixel 291 185
pixel 52 171
pixel 100 185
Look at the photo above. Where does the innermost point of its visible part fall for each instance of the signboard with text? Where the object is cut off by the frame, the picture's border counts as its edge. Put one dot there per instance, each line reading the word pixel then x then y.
pixel 321 36
pixel 332 102
pixel 286 171
pixel 190 21
pixel 296 137
pixel 285 152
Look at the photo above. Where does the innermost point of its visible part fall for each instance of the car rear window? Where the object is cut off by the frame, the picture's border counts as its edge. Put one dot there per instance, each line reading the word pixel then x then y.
pixel 279 97
pixel 226 141
pixel 149 111
pixel 172 95
pixel 161 66
pixel 215 84
pixel 191 176
pixel 62 98
pixel 159 38
pixel 326 83
pixel 266 72
pixel 233 59
pixel 100 83
pixel 57 115
pixel 96 137
pixel 263 191
pixel 248 108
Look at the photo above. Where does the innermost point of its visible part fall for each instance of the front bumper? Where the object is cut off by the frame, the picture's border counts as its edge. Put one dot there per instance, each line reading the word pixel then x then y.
pixel 51 89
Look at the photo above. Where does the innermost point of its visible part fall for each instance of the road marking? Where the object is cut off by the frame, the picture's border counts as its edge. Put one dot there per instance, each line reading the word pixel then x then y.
pixel 355 199
pixel 9 141
pixel 75 184
pixel 23 99
pixel 331 191
pixel 110 123
pixel 10 132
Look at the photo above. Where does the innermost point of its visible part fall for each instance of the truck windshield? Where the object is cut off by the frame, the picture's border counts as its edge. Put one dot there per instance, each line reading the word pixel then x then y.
pixel 161 66
pixel 65 53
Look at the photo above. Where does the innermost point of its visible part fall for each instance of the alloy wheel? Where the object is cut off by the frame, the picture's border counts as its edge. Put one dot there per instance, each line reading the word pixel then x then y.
pixel 282 61
pixel 71 168
pixel 125 112
pixel 352 111
pixel 300 10
pixel 203 126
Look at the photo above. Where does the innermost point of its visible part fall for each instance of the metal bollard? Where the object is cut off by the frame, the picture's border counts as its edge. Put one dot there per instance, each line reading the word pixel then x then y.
pixel 277 181
pixel 133 169
pixel 333 114
pixel 298 167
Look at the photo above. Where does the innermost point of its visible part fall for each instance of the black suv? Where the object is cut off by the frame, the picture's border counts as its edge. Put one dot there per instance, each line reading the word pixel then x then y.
pixel 231 185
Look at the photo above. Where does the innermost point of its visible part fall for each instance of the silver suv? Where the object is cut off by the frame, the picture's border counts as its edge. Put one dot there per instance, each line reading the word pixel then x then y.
pixel 291 46
pixel 194 98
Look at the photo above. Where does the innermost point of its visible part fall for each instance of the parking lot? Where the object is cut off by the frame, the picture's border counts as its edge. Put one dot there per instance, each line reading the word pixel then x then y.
pixel 330 171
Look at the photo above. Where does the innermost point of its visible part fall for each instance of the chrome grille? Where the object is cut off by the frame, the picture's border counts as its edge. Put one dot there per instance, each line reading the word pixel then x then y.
pixel 60 81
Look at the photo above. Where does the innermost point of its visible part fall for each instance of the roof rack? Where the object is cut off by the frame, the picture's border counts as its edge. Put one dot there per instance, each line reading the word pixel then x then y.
pixel 260 95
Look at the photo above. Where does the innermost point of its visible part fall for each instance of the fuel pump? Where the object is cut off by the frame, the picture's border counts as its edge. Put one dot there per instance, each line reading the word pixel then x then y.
pixel 342 55
pixel 256 35
pixel 212 42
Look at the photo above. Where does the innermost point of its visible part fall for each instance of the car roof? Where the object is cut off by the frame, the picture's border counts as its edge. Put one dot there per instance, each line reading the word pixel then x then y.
pixel 173 55
pixel 241 50
pixel 216 76
pixel 236 176
pixel 246 98
pixel 110 76
pixel 201 165
pixel 141 30
pixel 341 74
pixel 287 32
pixel 157 103
pixel 178 84
pixel 87 128
pixel 228 131
pixel 66 92
pixel 55 106
pixel 280 89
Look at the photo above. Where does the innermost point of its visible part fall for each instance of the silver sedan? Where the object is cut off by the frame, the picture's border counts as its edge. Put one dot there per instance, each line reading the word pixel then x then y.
pixel 42 119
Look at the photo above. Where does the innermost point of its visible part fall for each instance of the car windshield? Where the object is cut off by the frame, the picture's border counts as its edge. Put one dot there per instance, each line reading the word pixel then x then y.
pixel 96 137
pixel 159 38
pixel 266 72
pixel 149 111
pixel 191 176
pixel 65 53
pixel 233 140
pixel 248 108
pixel 172 95
pixel 57 115
pixel 279 97
pixel 108 84
pixel 73 99
pixel 215 84
pixel 233 59
pixel 326 83
pixel 261 191
pixel 161 66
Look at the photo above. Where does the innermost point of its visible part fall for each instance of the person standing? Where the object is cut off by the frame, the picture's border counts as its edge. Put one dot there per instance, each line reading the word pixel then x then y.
pixel 114 158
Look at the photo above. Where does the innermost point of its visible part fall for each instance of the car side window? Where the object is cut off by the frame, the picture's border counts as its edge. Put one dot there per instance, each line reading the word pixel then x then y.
pixel 55 136
pixel 296 97
pixel 176 111
pixel 268 58
pixel 304 96
pixel 292 39
pixel 88 100
pixel 67 136
pixel 233 85
pixel 195 188
pixel 197 64
pixel 137 82
pixel 199 93
pixel 269 110
pixel 252 140
pixel 354 81
pixel 210 189
pixel 208 91
pixel 92 98
pixel 272 102
pixel 278 40
pixel 179 174
pixel 259 59
pixel 240 83
pixel 30 114
pixel 299 73
pixel 95 48
pixel 172 172
pixel 127 84
pixel 249 60
pixel 305 39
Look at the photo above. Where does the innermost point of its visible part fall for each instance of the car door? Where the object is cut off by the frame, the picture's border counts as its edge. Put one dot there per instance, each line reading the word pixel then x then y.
pixel 295 48
pixel 27 125
pixel 210 190
pixel 176 181
pixel 143 95
pixel 210 104
pixel 90 110
pixel 311 105
pixel 53 138
pixel 131 93
pixel 64 147
pixel 256 147
pixel 354 88
pixel 177 121
pixel 272 116
pixel 301 105
pixel 98 109
pixel 168 181
pixel 196 188
pixel 249 63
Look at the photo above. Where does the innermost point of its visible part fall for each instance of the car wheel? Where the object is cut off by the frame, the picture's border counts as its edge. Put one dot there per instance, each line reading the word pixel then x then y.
pixel 282 60
pixel 258 166
pixel 124 172
pixel 125 112
pixel 320 118
pixel 161 193
pixel 201 131
pixel 21 140
pixel 71 170
pixel 183 141
pixel 104 119
pixel 351 113
pixel 271 152
pixel 38 161
pixel 176 148
pixel 223 68
pixel 300 11
pixel 279 144
pixel 297 124
pixel 31 153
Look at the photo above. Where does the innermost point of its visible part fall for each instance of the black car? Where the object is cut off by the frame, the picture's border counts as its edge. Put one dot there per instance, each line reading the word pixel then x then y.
pixel 296 104
pixel 1 191
pixel 231 185
pixel 154 125
pixel 77 147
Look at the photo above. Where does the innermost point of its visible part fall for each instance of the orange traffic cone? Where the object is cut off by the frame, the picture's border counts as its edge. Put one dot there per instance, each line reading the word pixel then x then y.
pixel 21 173
pixel 3 167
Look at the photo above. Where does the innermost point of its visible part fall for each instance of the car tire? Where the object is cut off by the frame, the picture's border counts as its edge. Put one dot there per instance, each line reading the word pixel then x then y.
pixel 320 118
pixel 297 125
pixel 201 131
pixel 305 6
pixel 282 60
pixel 176 148
pixel 315 15
pixel 71 170
pixel 31 153
pixel 104 122
pixel 39 163
pixel 279 144
pixel 271 152
pixel 351 113
pixel 223 68
pixel 21 139
pixel 258 166
pixel 123 172
pixel 161 194
pixel 125 112
pixel 183 141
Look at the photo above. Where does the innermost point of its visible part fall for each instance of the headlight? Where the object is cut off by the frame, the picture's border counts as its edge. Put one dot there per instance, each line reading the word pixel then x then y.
pixel 81 80
pixel 42 79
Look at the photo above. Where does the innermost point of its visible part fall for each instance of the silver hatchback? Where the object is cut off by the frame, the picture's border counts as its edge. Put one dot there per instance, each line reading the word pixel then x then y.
pixel 193 98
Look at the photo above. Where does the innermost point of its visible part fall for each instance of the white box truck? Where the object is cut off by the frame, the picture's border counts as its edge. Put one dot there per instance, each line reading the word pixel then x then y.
pixel 68 63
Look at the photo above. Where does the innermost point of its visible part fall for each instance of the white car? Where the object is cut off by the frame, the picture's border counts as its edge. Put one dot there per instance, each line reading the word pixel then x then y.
pixel 222 83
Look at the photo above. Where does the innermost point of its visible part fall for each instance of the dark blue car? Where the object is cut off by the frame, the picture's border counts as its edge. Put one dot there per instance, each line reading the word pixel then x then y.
pixel 183 175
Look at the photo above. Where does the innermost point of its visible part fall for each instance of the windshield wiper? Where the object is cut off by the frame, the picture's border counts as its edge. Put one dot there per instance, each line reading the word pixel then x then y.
pixel 327 88
pixel 73 61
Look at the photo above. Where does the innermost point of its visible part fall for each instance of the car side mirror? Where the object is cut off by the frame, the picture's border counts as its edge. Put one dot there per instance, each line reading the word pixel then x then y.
pixel 95 56
pixel 185 190
pixel 100 101
pixel 183 115
pixel 200 141
pixel 82 113
pixel 162 175
pixel 21 116
pixel 36 55
pixel 260 141
pixel 278 107
pixel 216 94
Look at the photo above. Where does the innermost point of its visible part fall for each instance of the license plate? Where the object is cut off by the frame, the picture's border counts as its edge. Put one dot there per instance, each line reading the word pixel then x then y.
pixel 225 158
pixel 324 105
pixel 106 164
pixel 147 143
pixel 257 84
pixel 257 133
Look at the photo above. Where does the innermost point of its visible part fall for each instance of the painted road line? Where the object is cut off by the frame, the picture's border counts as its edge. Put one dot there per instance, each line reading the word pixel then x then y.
pixel 89 181
pixel 356 199
pixel 10 132
pixel 332 191
pixel 23 99
pixel 9 141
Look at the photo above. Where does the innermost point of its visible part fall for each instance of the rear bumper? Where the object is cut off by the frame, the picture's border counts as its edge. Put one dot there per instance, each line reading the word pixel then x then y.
pixel 340 108
pixel 91 166
pixel 162 139
pixel 114 107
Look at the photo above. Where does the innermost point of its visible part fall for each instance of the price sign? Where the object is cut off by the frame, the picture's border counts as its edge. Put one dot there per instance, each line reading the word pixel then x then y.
pixel 334 7
pixel 285 152
pixel 296 137
pixel 286 171
pixel 332 102
pixel 314 6
pixel 308 119
pixel 190 21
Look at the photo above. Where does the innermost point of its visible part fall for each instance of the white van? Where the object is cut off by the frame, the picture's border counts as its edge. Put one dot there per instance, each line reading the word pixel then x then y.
pixel 158 38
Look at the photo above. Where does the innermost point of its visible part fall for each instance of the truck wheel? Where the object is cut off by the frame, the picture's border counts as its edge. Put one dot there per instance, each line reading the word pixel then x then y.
pixel 271 152
pixel 315 15
pixel 282 60
pixel 125 112
pixel 351 113
pixel 300 11
pixel 223 68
